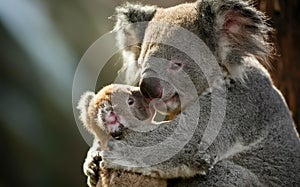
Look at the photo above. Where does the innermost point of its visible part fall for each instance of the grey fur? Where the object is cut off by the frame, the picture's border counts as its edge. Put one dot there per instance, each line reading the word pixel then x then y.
pixel 94 111
pixel 257 144
pixel 125 16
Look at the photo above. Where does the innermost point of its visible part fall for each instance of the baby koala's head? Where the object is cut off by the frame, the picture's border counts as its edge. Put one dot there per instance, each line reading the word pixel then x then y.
pixel 112 109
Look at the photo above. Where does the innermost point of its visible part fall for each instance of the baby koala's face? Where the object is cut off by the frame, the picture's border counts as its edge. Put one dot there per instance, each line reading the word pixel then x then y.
pixel 119 107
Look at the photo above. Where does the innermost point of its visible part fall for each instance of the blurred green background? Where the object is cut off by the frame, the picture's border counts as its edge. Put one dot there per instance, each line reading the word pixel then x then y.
pixel 41 43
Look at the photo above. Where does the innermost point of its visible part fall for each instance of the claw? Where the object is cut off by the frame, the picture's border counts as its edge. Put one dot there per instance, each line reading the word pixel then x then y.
pixel 92 168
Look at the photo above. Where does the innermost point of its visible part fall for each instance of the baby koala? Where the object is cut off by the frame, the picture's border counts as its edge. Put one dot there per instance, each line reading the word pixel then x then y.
pixel 107 115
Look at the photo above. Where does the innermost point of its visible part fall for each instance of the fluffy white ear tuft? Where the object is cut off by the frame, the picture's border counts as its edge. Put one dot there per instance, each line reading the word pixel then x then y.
pixel 130 36
pixel 242 32
pixel 83 106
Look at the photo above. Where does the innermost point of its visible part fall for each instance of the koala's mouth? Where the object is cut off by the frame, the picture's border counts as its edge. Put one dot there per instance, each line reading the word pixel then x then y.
pixel 112 119
pixel 173 100
pixel 167 106
pixel 114 125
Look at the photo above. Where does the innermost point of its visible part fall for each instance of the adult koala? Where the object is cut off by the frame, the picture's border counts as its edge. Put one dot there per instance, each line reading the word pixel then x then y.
pixel 257 144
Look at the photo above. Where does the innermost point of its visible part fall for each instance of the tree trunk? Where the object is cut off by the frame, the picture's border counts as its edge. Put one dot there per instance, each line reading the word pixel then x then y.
pixel 285 18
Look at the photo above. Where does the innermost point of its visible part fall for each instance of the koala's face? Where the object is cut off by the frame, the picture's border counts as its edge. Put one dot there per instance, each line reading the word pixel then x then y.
pixel 168 73
pixel 114 108
pixel 128 102
pixel 120 106
pixel 231 29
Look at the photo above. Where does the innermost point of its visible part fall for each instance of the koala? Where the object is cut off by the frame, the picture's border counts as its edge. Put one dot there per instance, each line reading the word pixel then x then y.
pixel 239 128
pixel 106 115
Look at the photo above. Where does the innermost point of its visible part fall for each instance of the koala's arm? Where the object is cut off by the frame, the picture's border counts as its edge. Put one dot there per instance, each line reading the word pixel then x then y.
pixel 224 173
pixel 169 151
pixel 91 166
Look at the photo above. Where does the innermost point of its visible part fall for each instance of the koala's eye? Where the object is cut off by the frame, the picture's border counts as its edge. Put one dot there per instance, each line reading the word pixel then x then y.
pixel 175 65
pixel 130 101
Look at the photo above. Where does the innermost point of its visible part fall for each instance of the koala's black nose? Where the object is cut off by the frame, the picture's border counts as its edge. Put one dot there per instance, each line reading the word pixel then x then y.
pixel 151 88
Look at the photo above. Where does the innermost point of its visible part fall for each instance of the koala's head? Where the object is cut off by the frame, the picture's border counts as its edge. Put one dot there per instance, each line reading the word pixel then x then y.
pixel 231 29
pixel 113 108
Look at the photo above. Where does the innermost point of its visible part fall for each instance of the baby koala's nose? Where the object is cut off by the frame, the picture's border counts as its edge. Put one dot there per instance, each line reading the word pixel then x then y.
pixel 151 88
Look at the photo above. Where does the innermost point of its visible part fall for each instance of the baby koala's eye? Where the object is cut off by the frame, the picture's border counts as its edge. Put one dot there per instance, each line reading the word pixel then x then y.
pixel 130 101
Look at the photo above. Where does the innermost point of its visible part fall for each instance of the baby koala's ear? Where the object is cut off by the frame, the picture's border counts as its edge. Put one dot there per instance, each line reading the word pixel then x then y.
pixel 83 106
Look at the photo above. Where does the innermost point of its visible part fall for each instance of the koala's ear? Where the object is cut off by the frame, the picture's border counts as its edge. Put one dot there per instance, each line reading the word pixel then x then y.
pixel 129 32
pixel 129 14
pixel 83 106
pixel 240 31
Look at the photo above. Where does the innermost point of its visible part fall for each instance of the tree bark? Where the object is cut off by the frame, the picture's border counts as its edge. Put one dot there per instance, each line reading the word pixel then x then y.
pixel 285 71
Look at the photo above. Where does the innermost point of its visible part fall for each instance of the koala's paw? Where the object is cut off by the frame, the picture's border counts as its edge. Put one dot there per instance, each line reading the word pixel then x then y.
pixel 113 123
pixel 202 161
pixel 91 168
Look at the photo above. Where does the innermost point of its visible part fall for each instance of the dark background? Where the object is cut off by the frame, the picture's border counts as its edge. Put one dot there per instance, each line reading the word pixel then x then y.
pixel 41 43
